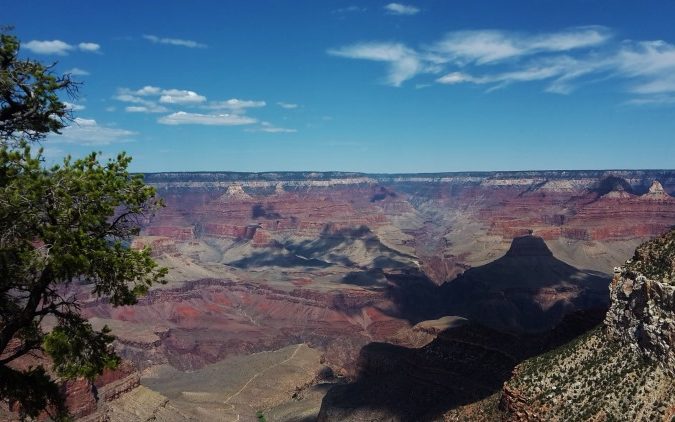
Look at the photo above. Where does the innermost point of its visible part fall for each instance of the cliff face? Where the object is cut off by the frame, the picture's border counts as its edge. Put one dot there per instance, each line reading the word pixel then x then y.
pixel 642 314
pixel 624 370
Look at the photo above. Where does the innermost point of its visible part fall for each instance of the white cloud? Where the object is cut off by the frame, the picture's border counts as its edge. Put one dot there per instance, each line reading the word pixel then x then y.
pixel 73 106
pixel 148 90
pixel 57 47
pixel 142 105
pixel 401 9
pixel 180 96
pixel 184 118
pixel 235 104
pixel 129 98
pixel 476 48
pixel 76 71
pixel 562 70
pixel 148 98
pixel 174 41
pixel 454 78
pixel 136 109
pixel 404 63
pixel 651 63
pixel 652 100
pixel 89 132
pixel 288 106
pixel 147 108
pixel 90 47
pixel 270 128
pixel 488 46
pixel 350 9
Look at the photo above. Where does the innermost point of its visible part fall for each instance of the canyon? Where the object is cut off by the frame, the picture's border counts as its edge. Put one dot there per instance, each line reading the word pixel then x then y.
pixel 289 290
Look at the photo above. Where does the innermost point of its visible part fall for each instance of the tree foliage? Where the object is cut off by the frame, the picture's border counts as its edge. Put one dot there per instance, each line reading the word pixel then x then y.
pixel 63 229
pixel 29 95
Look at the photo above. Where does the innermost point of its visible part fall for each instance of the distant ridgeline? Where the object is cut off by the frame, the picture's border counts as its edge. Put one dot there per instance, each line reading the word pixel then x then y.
pixel 639 180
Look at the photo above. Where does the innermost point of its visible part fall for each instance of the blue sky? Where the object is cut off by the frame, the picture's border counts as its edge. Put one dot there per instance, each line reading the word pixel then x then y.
pixel 414 86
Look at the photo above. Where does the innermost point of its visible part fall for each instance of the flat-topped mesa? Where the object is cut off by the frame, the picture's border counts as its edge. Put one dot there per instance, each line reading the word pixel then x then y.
pixel 642 311
pixel 528 245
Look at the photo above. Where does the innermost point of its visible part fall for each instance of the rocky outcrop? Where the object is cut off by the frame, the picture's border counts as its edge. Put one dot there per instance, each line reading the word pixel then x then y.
pixel 642 314
pixel 80 395
pixel 113 383
pixel 516 406
pixel 656 192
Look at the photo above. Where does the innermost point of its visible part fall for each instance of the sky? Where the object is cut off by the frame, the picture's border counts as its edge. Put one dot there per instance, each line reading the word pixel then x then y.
pixel 373 86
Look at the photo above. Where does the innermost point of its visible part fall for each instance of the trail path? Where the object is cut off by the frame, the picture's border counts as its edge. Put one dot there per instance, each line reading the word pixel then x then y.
pixel 257 374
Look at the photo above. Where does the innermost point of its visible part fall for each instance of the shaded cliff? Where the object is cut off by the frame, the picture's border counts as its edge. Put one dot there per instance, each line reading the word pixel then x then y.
pixel 526 290
pixel 463 366
pixel 623 370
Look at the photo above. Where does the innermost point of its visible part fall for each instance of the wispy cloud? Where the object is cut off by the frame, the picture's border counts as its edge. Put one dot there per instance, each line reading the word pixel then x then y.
pixel 146 108
pixel 270 128
pixel 651 64
pixel 646 67
pixel 174 41
pixel 563 60
pixel 489 46
pixel 185 118
pixel 89 132
pixel 560 71
pixel 463 48
pixel 288 106
pixel 58 47
pixel 235 104
pixel 350 9
pixel 73 106
pixel 401 9
pixel 76 71
pixel 403 62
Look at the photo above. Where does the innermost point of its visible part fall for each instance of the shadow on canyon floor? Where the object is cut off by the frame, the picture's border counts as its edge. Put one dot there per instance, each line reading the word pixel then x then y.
pixel 527 290
pixel 522 304
pixel 461 366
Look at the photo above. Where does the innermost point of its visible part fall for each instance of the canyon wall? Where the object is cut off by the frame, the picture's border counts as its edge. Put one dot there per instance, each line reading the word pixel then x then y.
pixel 642 311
